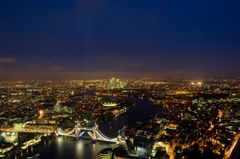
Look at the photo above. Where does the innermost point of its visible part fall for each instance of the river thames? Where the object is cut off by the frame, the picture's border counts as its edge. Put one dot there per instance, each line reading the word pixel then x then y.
pixel 62 147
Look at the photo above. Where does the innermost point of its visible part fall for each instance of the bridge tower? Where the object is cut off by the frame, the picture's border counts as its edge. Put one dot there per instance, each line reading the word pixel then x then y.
pixel 94 137
pixel 95 129
pixel 77 131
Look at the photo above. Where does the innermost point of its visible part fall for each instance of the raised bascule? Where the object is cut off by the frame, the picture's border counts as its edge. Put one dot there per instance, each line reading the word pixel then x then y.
pixel 93 132
pixel 79 131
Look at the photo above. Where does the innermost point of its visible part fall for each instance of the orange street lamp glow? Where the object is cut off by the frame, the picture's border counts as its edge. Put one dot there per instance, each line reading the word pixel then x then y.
pixel 41 113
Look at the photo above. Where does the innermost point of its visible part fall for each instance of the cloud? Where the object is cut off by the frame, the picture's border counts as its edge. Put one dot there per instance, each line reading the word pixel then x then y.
pixel 45 67
pixel 7 60
pixel 135 64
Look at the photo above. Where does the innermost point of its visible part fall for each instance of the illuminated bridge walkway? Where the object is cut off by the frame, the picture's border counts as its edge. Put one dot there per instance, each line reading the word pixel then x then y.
pixel 93 132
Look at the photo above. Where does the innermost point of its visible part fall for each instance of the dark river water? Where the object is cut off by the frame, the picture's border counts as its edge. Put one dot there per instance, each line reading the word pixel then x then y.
pixel 66 148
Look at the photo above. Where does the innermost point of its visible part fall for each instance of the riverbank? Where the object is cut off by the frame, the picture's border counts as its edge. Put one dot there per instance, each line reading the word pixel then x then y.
pixel 72 148
pixel 19 151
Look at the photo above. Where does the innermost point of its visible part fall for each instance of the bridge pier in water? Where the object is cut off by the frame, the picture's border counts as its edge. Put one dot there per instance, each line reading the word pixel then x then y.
pixel 93 132
pixel 96 135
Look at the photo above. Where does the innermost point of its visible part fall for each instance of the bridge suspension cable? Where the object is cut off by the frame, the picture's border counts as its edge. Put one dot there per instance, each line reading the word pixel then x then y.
pixel 98 134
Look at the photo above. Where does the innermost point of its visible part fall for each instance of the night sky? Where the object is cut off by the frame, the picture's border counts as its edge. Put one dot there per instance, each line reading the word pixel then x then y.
pixel 90 39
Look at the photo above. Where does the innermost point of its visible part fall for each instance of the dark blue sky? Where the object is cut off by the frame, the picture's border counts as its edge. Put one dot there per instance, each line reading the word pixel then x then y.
pixel 82 39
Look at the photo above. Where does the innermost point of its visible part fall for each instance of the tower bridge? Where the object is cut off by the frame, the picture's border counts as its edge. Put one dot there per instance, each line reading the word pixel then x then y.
pixel 77 132
pixel 93 132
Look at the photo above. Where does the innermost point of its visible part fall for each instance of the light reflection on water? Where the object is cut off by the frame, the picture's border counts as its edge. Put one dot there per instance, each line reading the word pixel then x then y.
pixel 79 149
pixel 70 148
pixel 60 146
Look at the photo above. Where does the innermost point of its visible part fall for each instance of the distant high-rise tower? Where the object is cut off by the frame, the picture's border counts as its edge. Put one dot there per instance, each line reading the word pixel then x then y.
pixel 115 83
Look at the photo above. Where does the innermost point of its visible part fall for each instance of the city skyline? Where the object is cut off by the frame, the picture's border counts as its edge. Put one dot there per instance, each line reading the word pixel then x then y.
pixel 54 40
pixel 102 79
pixel 103 119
